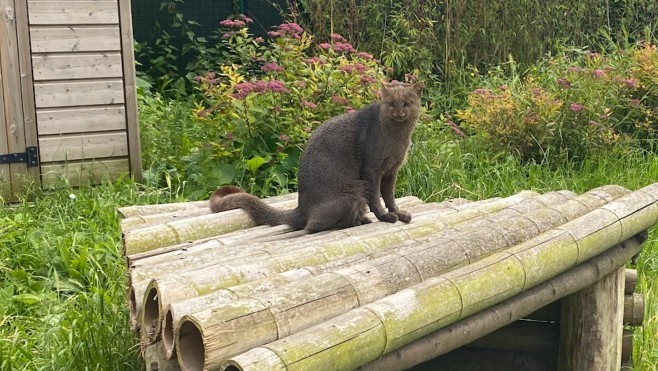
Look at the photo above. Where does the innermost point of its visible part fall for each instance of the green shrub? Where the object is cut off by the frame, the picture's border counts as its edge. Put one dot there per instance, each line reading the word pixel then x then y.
pixel 568 107
pixel 261 107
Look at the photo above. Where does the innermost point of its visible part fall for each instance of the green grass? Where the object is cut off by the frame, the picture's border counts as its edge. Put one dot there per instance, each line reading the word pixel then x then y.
pixel 62 275
pixel 63 279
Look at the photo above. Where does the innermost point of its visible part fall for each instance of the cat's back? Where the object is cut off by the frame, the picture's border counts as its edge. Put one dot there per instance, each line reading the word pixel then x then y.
pixel 343 131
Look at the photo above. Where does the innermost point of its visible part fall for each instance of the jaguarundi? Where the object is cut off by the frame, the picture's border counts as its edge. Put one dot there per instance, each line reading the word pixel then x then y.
pixel 349 162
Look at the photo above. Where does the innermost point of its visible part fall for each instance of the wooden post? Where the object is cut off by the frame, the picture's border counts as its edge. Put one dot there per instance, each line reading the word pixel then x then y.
pixel 591 326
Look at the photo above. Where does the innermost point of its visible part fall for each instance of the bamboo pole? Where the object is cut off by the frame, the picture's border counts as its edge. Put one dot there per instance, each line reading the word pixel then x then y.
pixel 364 283
pixel 182 211
pixel 504 313
pixel 390 323
pixel 379 235
pixel 179 231
pixel 143 210
pixel 451 336
pixel 139 210
pixel 633 309
pixel 221 250
pixel 185 285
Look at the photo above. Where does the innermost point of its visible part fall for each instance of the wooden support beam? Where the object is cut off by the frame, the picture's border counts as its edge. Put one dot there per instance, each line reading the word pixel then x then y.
pixel 591 326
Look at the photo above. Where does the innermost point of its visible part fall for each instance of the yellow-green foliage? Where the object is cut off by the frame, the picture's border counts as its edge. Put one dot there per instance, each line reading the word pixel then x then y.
pixel 571 106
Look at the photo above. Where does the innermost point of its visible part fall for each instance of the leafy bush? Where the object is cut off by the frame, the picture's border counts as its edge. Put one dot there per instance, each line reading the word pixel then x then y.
pixel 568 107
pixel 261 106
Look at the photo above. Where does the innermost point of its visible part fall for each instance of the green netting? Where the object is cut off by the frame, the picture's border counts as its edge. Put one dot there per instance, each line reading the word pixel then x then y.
pixel 207 13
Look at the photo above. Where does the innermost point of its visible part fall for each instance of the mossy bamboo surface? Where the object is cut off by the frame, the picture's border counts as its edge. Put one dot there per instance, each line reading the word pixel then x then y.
pixel 363 334
pixel 174 287
pixel 141 210
pixel 221 248
pixel 198 303
pixel 371 233
pixel 477 325
pixel 224 248
pixel 179 231
pixel 397 269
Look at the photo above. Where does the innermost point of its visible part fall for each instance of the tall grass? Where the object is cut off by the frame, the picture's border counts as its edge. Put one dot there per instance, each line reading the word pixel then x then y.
pixel 63 279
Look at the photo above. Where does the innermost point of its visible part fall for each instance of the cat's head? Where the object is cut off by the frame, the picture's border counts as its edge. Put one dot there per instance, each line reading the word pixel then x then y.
pixel 400 102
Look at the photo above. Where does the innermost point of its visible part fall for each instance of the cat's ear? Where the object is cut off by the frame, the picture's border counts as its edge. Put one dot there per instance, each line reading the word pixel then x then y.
pixel 385 88
pixel 418 88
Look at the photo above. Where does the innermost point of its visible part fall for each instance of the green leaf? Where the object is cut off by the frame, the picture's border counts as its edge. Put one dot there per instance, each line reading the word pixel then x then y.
pixel 29 299
pixel 226 173
pixel 254 163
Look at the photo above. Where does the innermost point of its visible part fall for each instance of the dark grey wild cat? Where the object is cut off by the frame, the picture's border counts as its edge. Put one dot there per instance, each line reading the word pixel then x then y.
pixel 349 162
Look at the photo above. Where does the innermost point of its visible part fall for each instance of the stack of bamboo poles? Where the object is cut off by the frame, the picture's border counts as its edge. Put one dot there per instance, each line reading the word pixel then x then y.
pixel 213 291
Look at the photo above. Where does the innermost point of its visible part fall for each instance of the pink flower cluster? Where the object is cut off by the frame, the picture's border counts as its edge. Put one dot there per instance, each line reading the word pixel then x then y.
pixel 352 68
pixel 315 60
pixel 241 22
pixel 341 47
pixel 292 30
pixel 272 67
pixel 259 87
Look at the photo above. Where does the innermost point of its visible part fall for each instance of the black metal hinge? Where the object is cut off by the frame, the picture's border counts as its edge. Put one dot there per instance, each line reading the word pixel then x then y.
pixel 29 157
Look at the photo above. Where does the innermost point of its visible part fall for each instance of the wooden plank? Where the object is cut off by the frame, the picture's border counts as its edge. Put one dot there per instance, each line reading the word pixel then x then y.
pixel 73 12
pixel 588 341
pixel 11 86
pixel 81 119
pixel 130 87
pixel 27 83
pixel 5 176
pixel 87 172
pixel 47 39
pixel 85 146
pixel 76 66
pixel 78 93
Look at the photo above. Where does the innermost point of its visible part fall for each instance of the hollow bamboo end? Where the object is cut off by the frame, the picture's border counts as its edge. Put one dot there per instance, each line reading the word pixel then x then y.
pixel 151 319
pixel 168 335
pixel 231 366
pixel 190 346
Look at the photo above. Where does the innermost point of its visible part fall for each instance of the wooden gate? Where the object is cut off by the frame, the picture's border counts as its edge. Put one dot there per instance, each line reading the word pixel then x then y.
pixel 18 138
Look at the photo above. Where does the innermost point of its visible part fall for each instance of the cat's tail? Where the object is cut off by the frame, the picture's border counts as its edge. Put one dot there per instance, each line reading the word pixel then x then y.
pixel 231 197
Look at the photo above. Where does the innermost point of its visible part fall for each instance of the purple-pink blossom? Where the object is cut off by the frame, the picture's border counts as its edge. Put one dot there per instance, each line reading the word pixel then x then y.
pixel 245 88
pixel 337 37
pixel 259 40
pixel 598 73
pixel 341 47
pixel 292 30
pixel 315 60
pixel 564 83
pixel 339 100
pixel 364 55
pixel 325 46
pixel 277 86
pixel 631 83
pixel 310 105
pixel 284 138
pixel 272 67
pixel 575 107
pixel 231 23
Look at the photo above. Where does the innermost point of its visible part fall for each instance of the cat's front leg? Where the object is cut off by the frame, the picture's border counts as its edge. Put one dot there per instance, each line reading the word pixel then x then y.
pixel 388 193
pixel 374 181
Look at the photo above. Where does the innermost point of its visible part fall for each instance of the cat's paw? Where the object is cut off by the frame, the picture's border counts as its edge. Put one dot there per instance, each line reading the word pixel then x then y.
pixel 404 216
pixel 365 220
pixel 389 217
